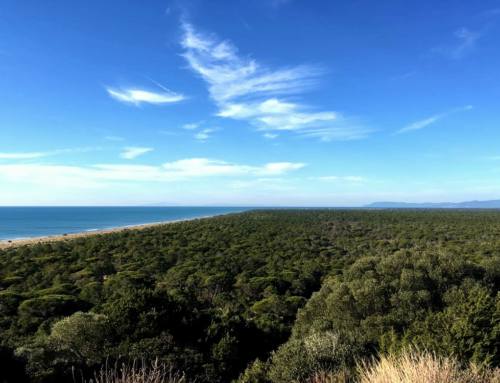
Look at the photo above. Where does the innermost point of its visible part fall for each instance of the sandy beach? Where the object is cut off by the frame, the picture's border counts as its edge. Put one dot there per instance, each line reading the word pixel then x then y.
pixel 5 244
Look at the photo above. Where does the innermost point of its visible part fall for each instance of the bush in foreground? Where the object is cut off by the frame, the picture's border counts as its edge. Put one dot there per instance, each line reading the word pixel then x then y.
pixel 300 358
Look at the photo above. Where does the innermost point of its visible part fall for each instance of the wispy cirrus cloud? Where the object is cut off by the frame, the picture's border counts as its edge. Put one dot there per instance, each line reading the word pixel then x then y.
pixel 131 152
pixel 244 89
pixel 135 96
pixel 424 123
pixel 420 124
pixel 230 76
pixel 465 43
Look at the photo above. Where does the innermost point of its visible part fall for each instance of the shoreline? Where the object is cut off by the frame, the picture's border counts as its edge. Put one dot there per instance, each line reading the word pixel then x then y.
pixel 10 243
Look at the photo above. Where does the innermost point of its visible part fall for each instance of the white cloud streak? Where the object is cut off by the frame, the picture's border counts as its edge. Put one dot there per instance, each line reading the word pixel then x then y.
pixel 23 156
pixel 137 97
pixel 243 89
pixel 184 169
pixel 131 152
pixel 42 154
pixel 208 167
pixel 417 125
pixel 424 123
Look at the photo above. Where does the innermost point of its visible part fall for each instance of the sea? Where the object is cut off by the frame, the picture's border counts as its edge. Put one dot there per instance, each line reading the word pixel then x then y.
pixel 32 222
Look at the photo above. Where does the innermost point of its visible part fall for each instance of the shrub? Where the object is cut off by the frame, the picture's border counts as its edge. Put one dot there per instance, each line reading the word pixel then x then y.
pixel 299 359
pixel 256 373
pixel 82 336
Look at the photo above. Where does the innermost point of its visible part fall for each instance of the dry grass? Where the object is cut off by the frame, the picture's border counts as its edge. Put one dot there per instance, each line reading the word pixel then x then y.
pixel 141 372
pixel 411 367
pixel 414 367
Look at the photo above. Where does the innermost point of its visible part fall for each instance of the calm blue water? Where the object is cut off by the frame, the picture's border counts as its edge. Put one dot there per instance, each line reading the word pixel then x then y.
pixel 27 222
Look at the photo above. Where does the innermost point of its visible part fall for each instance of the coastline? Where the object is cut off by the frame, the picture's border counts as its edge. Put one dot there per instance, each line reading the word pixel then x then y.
pixel 6 243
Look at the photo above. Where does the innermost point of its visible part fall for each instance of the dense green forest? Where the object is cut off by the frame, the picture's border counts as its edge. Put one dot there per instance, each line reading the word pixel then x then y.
pixel 262 296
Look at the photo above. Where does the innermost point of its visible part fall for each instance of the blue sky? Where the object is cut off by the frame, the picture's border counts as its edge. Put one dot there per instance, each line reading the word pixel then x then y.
pixel 263 102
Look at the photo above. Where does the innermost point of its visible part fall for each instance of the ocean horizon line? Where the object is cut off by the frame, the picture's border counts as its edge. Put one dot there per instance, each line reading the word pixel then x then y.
pixel 43 221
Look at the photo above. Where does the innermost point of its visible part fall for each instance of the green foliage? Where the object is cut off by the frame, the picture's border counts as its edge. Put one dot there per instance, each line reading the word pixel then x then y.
pixel 9 301
pixel 300 358
pixel 33 312
pixel 80 337
pixel 467 328
pixel 257 372
pixel 211 297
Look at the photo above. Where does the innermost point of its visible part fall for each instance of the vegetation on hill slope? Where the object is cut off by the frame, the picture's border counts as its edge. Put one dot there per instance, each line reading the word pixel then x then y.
pixel 217 298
